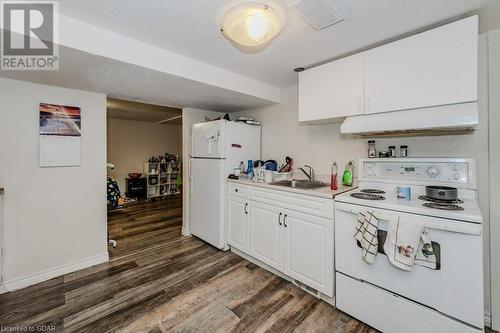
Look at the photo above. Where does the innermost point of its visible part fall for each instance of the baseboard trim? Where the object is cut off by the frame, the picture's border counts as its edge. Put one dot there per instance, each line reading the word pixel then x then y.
pixel 32 279
pixel 185 232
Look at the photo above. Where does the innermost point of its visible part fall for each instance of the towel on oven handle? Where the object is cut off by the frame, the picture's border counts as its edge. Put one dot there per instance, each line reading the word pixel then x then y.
pixel 366 235
pixel 408 244
pixel 425 255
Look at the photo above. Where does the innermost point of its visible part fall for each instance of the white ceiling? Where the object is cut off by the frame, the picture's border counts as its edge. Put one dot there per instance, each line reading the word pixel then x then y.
pixel 190 28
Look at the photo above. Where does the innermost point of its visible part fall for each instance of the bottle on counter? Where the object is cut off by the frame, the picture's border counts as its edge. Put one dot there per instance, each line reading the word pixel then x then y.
pixel 348 176
pixel 250 173
pixel 403 151
pixel 372 151
pixel 333 180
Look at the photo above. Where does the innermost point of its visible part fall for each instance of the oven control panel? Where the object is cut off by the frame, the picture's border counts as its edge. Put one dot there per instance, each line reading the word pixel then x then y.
pixel 436 170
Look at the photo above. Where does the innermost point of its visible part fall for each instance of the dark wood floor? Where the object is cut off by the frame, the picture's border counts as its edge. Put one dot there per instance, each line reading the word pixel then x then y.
pixel 160 281
pixel 142 225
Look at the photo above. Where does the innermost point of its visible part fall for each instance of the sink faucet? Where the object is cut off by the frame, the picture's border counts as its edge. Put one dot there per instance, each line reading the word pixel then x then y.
pixel 309 174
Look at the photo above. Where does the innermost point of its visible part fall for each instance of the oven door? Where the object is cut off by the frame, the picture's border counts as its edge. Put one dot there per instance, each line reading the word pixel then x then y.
pixel 455 288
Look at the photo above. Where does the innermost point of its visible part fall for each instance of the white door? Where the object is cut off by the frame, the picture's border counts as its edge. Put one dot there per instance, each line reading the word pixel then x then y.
pixel 237 223
pixel 309 250
pixel 437 67
pixel 207 139
pixel 333 90
pixel 206 217
pixel 266 234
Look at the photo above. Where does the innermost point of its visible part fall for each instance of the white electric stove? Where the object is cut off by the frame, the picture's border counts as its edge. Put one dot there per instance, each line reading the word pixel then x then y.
pixel 446 299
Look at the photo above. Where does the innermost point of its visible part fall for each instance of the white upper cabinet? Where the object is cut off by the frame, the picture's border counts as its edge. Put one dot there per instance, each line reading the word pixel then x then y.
pixel 332 91
pixel 436 67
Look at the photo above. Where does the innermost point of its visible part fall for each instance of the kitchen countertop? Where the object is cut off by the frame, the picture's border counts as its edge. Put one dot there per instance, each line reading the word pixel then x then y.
pixel 322 192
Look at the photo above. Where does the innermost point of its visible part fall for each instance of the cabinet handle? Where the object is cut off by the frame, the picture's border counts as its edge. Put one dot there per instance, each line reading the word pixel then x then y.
pixel 246 211
pixel 236 190
pixel 284 221
pixel 279 219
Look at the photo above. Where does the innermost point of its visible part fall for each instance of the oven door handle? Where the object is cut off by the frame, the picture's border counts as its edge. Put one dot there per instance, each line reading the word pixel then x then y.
pixel 459 228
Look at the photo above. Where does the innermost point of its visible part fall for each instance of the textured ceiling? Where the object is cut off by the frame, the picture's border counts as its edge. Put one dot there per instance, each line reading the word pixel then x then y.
pixel 83 71
pixel 190 28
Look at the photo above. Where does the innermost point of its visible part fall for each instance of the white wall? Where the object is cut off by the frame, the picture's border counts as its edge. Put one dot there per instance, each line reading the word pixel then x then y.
pixel 131 142
pixel 190 116
pixel 494 51
pixel 319 145
pixel 55 218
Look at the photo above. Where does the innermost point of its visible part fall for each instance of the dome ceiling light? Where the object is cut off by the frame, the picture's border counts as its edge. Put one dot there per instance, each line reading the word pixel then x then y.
pixel 251 27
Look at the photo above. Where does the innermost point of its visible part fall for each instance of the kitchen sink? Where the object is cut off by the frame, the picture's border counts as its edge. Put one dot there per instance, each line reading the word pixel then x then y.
pixel 304 184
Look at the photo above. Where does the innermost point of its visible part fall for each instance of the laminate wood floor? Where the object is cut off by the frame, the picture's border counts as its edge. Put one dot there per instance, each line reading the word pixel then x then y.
pixel 160 281
pixel 142 225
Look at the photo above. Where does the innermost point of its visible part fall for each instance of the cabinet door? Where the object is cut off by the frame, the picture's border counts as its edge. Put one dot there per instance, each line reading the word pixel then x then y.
pixel 266 234
pixel 309 250
pixel 436 67
pixel 237 223
pixel 332 91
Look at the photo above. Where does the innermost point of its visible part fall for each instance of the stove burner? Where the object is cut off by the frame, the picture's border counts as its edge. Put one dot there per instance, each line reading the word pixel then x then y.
pixel 367 196
pixel 443 206
pixel 372 191
pixel 448 202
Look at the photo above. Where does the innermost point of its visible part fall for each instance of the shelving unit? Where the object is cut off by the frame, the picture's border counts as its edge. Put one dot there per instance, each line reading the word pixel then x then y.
pixel 161 178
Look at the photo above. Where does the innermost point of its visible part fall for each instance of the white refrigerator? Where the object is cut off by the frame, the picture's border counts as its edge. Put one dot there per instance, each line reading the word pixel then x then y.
pixel 216 148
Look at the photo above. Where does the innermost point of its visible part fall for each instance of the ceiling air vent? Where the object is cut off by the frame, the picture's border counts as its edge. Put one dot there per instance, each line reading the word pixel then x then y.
pixel 319 14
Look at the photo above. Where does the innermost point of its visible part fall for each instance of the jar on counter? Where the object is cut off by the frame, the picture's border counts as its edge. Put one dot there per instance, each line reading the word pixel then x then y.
pixel 403 151
pixel 372 152
pixel 392 151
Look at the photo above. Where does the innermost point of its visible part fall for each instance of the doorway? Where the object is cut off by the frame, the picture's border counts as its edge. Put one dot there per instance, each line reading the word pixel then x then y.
pixel 144 183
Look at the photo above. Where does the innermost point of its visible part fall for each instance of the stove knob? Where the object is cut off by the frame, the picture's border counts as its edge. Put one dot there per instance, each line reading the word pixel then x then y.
pixel 432 171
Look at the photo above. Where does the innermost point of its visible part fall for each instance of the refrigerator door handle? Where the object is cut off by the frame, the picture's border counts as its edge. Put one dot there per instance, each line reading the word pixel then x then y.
pixel 190 187
pixel 191 145
pixel 190 177
pixel 190 169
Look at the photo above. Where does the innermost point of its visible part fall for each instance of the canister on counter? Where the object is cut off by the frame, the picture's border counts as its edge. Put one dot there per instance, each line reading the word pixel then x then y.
pixel 392 151
pixel 403 151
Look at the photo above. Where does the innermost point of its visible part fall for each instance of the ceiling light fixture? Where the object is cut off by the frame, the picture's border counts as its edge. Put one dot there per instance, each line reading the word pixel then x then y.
pixel 251 27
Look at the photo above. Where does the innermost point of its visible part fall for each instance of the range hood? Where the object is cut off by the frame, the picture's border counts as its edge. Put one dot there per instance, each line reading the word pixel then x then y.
pixel 455 117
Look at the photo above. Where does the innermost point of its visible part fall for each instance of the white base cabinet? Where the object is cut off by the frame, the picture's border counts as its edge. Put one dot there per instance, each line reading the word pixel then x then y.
pixel 266 234
pixel 308 255
pixel 237 228
pixel 297 244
